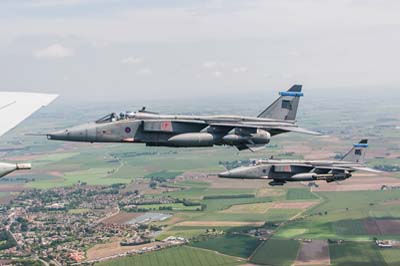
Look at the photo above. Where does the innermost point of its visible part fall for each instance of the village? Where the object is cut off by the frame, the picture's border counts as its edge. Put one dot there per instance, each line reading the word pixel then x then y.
pixel 60 224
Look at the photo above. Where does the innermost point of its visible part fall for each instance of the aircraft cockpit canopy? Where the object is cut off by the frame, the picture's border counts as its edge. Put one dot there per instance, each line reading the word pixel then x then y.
pixel 113 117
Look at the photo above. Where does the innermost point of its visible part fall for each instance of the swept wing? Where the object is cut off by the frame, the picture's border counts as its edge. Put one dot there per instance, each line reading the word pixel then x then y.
pixel 17 106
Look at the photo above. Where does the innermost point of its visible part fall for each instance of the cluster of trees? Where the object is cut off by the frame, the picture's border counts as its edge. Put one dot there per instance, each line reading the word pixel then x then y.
pixel 234 164
pixel 6 240
pixel 388 168
pixel 132 154
pixel 23 223
pixel 238 196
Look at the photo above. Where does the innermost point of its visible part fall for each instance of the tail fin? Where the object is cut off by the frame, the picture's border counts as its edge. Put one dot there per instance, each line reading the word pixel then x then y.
pixel 357 153
pixel 285 107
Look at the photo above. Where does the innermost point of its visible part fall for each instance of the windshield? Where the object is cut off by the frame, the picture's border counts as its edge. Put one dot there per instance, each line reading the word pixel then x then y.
pixel 115 117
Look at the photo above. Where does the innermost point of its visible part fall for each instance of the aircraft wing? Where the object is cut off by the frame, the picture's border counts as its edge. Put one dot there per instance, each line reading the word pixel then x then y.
pixel 299 130
pixel 17 106
pixel 327 169
pixel 367 169
pixel 274 128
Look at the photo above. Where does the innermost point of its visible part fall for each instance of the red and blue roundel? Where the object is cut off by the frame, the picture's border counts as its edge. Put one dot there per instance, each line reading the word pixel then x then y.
pixel 128 130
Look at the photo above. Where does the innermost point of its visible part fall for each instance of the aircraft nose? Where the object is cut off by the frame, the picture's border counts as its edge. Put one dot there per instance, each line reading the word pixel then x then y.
pixel 78 133
pixel 226 174
pixel 234 173
pixel 58 135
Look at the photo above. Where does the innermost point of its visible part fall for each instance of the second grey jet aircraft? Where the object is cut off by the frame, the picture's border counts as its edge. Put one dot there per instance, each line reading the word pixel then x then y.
pixel 193 131
pixel 282 171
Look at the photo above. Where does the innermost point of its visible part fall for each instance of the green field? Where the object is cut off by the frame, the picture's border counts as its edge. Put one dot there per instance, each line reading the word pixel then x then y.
pixel 233 245
pixel 280 215
pixel 222 204
pixel 188 234
pixel 276 252
pixel 349 227
pixel 340 216
pixel 358 200
pixel 356 254
pixel 174 206
pixel 163 175
pixel 391 256
pixel 187 256
pixel 200 192
pixel 78 211
pixel 93 176
pixel 300 194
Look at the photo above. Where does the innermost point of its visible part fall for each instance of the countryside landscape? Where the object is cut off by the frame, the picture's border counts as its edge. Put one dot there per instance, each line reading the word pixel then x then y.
pixel 122 204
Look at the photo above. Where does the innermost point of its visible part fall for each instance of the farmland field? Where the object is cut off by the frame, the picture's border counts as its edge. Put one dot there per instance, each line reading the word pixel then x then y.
pixel 279 215
pixel 249 208
pixel 299 194
pixel 315 252
pixel 342 215
pixel 233 245
pixel 173 206
pixel 349 227
pixel 175 256
pixel 201 192
pixel 163 175
pixel 357 254
pixel 276 252
pixel 223 204
pixel 391 256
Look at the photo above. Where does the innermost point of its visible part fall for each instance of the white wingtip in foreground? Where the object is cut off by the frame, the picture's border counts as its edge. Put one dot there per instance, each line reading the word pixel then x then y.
pixel 15 107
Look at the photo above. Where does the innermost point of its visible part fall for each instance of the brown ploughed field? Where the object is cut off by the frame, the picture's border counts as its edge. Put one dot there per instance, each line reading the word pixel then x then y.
pixel 313 253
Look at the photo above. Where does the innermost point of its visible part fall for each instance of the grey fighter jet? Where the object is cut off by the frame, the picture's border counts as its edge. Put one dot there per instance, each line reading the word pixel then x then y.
pixel 14 108
pixel 155 129
pixel 282 171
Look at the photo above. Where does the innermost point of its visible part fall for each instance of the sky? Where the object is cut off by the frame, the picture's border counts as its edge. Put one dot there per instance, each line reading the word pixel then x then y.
pixel 113 50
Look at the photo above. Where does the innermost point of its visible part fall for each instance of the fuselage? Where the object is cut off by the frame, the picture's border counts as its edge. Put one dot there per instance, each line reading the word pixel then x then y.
pixel 177 130
pixel 293 170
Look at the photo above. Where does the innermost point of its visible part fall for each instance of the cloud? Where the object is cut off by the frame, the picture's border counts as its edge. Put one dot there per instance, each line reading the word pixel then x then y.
pixel 318 43
pixel 217 74
pixel 144 72
pixel 210 64
pixel 55 51
pixel 55 3
pixel 131 60
pixel 240 69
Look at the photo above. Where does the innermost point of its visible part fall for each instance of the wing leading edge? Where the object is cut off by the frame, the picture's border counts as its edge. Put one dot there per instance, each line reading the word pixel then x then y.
pixel 17 106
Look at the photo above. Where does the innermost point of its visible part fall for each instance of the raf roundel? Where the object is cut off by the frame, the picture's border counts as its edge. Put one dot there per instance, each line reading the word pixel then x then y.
pixel 128 130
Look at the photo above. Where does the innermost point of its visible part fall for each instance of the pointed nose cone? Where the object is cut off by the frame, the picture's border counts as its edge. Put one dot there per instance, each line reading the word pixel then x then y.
pixel 241 172
pixel 58 135
pixel 226 174
pixel 86 132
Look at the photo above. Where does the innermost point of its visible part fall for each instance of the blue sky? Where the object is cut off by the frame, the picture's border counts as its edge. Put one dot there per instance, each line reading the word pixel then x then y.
pixel 92 48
